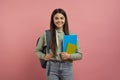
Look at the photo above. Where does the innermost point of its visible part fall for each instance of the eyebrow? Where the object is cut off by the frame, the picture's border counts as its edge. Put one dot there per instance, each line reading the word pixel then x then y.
pixel 60 17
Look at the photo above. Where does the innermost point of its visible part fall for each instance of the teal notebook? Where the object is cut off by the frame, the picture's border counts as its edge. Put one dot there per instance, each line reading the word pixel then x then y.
pixel 69 42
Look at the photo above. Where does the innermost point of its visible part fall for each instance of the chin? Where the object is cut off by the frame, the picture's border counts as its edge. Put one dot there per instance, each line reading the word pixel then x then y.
pixel 59 26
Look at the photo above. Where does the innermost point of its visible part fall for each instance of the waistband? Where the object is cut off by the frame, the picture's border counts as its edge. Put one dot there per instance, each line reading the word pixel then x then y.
pixel 58 61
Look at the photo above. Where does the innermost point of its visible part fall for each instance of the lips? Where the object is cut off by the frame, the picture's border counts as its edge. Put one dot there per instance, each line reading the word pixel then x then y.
pixel 59 23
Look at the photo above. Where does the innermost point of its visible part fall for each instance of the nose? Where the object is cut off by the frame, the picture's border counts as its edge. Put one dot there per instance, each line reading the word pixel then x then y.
pixel 59 20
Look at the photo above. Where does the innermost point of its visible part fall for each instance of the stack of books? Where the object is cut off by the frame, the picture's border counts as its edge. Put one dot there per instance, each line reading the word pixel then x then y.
pixel 70 44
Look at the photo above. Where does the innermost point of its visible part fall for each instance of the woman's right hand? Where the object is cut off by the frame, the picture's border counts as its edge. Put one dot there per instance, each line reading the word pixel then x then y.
pixel 48 56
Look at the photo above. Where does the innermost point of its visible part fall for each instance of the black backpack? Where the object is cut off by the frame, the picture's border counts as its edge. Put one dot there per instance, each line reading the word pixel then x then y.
pixel 48 36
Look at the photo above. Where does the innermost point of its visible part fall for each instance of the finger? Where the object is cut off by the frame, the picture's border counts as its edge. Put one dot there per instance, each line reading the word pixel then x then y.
pixel 62 54
pixel 63 57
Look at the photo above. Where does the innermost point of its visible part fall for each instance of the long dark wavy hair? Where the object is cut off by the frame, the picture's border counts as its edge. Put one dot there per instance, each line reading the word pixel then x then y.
pixel 53 42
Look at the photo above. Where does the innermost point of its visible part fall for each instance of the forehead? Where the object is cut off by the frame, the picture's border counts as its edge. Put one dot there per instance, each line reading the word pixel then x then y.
pixel 58 15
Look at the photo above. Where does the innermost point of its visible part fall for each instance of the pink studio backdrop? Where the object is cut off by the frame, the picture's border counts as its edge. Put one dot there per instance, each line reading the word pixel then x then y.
pixel 97 23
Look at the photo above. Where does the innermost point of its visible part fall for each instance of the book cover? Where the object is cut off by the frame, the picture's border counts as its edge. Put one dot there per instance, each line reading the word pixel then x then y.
pixel 69 43
pixel 71 48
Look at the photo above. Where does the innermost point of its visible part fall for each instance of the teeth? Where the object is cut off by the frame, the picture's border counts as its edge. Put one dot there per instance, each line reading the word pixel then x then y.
pixel 58 23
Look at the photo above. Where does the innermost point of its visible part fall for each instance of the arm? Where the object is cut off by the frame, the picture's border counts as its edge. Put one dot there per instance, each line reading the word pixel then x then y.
pixel 39 47
pixel 78 54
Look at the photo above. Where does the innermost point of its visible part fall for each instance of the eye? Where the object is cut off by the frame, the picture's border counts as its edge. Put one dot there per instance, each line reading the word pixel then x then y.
pixel 56 18
pixel 62 18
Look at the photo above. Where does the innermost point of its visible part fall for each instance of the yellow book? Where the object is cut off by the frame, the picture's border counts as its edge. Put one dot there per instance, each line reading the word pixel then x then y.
pixel 71 48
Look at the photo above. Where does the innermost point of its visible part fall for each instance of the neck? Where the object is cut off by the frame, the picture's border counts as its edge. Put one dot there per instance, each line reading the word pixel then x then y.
pixel 60 29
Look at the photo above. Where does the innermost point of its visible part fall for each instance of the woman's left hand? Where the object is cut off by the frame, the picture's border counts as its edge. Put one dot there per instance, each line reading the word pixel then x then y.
pixel 65 55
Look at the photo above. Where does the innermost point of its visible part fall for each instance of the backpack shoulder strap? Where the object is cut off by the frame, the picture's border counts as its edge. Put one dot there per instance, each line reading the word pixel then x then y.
pixel 48 37
pixel 37 41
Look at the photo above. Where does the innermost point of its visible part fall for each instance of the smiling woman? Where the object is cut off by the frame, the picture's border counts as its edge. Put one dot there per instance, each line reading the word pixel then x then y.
pixel 59 64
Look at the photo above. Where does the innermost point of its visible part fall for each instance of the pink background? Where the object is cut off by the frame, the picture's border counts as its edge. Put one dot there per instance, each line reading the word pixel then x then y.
pixel 97 23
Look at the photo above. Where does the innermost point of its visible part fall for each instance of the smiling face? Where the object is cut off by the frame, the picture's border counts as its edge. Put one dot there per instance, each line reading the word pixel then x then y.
pixel 59 20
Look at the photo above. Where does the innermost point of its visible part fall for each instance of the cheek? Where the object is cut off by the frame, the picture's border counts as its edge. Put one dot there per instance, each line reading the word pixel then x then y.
pixel 63 21
pixel 54 21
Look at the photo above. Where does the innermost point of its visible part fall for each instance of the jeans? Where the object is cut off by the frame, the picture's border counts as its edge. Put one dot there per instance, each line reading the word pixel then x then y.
pixel 59 70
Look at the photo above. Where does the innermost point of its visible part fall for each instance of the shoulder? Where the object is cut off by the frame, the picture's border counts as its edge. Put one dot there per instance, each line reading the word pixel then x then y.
pixel 43 34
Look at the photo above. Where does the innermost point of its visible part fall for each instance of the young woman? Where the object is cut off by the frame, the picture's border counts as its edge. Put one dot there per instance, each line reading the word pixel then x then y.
pixel 59 64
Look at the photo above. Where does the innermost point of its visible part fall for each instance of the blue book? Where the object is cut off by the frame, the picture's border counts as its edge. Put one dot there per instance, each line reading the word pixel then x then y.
pixel 69 39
